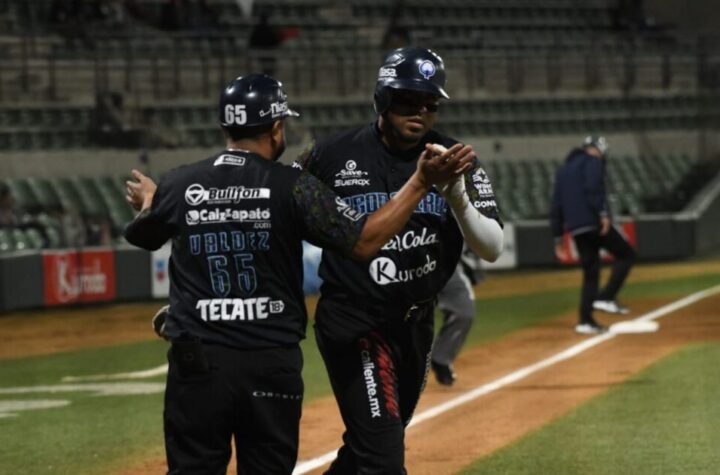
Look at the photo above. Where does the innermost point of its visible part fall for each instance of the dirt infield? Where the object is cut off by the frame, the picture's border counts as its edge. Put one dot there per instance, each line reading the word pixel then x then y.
pixel 446 443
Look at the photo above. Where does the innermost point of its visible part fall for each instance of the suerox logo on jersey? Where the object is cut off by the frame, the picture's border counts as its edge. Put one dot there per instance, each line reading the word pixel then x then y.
pixel 384 271
pixel 351 176
pixel 217 215
pixel 410 240
pixel 215 310
pixel 196 194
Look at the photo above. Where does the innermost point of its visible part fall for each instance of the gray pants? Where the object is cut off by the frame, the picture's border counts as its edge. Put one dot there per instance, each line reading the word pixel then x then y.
pixel 457 302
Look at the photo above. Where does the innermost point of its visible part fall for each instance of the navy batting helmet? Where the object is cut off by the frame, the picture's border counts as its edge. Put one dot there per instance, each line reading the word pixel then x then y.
pixel 253 100
pixel 415 69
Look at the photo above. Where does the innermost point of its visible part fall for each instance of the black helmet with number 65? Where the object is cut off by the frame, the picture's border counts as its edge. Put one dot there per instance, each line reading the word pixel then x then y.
pixel 409 68
pixel 253 100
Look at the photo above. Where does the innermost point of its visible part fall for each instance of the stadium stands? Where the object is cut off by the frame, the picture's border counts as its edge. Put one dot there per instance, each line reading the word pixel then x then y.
pixel 637 185
pixel 520 68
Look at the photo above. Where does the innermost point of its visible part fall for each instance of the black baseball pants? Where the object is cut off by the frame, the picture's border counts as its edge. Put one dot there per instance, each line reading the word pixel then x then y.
pixel 215 393
pixel 588 246
pixel 377 381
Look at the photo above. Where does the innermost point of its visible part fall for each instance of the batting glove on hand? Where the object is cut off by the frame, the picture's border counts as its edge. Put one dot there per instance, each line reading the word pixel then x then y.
pixel 158 321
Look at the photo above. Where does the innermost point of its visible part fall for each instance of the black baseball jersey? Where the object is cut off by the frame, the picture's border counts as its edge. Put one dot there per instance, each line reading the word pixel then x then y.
pixel 236 222
pixel 416 263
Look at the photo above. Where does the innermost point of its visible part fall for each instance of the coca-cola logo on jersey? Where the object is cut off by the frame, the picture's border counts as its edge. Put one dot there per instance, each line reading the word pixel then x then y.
pixel 78 276
pixel 410 240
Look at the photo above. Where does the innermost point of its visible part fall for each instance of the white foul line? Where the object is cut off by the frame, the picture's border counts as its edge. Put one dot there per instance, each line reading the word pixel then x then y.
pixel 147 373
pixel 317 462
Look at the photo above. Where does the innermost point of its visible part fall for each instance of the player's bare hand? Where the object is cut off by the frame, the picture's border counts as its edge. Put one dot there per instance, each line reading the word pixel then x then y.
pixel 561 253
pixel 438 165
pixel 140 192
pixel 604 225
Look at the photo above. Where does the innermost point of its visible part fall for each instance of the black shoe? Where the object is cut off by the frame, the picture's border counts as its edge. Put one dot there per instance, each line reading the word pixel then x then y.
pixel 444 374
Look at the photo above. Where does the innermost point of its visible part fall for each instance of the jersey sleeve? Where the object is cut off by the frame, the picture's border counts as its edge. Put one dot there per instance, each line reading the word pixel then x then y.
pixel 154 226
pixel 327 221
pixel 480 192
pixel 307 160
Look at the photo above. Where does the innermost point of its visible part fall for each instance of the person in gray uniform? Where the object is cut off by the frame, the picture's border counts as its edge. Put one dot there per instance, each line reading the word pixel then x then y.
pixel 457 302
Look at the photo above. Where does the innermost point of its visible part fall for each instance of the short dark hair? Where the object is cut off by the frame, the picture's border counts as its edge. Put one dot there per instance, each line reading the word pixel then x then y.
pixel 239 133
pixel 4 189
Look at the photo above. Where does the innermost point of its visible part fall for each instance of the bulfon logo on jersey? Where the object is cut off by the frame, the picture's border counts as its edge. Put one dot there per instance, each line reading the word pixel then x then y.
pixel 384 271
pixel 196 194
pixel 351 176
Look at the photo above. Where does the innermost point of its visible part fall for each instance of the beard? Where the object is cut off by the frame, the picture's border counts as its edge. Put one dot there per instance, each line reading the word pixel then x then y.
pixel 279 148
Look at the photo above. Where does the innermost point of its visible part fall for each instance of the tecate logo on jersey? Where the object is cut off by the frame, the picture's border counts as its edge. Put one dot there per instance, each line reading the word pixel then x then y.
pixel 351 176
pixel 256 308
pixel 194 217
pixel 410 240
pixel 384 271
pixel 196 194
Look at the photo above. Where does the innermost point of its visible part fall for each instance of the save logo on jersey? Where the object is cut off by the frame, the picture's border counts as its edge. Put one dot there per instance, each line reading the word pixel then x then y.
pixel 351 176
pixel 384 271
pixel 196 194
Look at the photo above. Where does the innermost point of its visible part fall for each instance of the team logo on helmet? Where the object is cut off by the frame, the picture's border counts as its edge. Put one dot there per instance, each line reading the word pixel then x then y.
pixel 427 69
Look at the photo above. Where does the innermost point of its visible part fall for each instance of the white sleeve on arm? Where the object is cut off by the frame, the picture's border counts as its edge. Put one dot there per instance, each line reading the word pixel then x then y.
pixel 482 234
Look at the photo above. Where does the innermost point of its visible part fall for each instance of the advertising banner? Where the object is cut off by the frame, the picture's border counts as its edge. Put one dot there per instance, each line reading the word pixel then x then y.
pixel 78 276
pixel 159 271
pixel 627 229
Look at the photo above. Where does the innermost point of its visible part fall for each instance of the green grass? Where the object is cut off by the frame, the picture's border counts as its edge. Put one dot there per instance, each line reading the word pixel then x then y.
pixel 93 432
pixel 96 434
pixel 662 420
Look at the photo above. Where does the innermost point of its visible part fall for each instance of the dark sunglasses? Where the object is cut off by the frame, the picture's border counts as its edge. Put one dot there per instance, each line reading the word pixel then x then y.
pixel 408 106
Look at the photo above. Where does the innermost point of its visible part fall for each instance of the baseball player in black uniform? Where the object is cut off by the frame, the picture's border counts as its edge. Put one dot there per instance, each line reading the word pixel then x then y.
pixel 374 320
pixel 237 310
